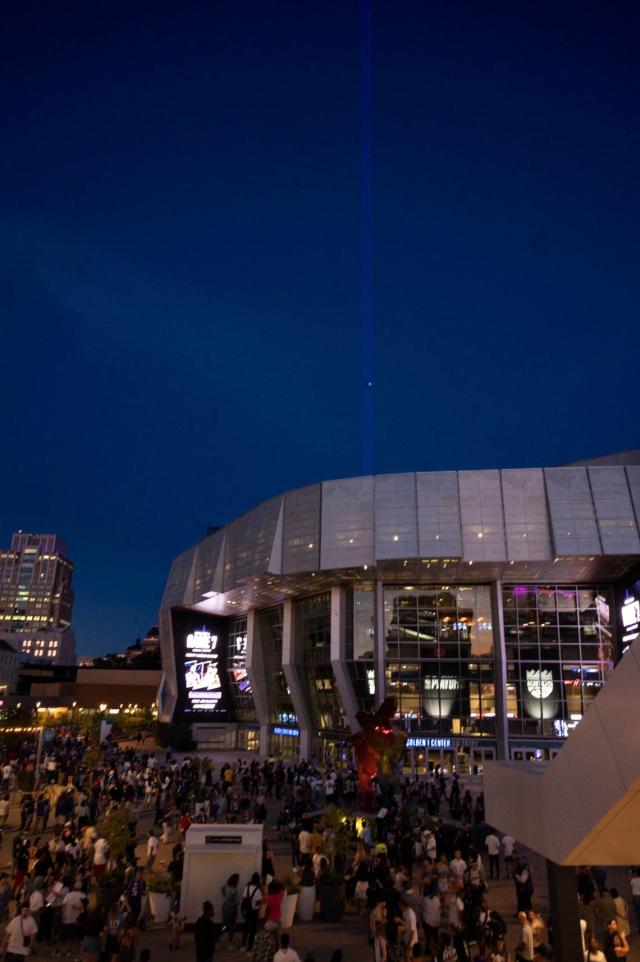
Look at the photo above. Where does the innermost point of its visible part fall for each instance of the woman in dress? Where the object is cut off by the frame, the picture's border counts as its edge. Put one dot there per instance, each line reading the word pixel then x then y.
pixel 230 899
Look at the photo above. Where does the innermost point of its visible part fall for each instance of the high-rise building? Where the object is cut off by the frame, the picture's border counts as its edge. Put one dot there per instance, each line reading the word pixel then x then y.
pixel 36 598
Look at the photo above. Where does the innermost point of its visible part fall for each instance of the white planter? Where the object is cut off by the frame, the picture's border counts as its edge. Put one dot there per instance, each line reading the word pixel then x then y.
pixel 289 903
pixel 159 906
pixel 306 903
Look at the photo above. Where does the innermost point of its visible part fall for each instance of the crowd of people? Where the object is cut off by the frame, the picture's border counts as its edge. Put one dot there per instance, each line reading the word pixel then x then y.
pixel 420 868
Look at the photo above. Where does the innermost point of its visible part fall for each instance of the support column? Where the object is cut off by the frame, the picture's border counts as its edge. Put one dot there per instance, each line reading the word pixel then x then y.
pixel 291 673
pixel 338 656
pixel 500 672
pixel 258 677
pixel 565 918
pixel 379 649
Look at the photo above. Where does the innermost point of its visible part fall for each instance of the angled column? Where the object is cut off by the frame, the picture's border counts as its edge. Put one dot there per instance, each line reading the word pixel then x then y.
pixel 379 644
pixel 500 672
pixel 291 670
pixel 338 656
pixel 258 677
pixel 563 903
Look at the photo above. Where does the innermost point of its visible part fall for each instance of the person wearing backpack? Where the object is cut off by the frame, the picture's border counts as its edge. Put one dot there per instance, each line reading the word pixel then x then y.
pixel 250 908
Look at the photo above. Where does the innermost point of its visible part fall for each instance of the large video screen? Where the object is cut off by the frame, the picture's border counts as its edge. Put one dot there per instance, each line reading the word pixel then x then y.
pixel 200 647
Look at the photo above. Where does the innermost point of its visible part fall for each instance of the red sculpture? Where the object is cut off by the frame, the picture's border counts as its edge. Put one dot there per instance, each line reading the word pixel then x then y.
pixel 378 748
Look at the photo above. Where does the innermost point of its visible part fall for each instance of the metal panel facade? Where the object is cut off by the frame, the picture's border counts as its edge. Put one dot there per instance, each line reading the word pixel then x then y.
pixel 347 523
pixel 527 525
pixel 301 540
pixel 614 510
pixel 633 478
pixel 206 561
pixel 483 537
pixel 438 510
pixel 395 516
pixel 179 577
pixel 573 519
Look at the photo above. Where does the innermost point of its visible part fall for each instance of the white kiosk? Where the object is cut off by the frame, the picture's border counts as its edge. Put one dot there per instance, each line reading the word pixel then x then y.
pixel 212 853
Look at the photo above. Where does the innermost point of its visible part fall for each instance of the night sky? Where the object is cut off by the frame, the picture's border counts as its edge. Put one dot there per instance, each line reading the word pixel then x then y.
pixel 184 235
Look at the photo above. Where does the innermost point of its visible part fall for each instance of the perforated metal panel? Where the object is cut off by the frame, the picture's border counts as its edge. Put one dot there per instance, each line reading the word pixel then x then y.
pixel 395 516
pixel 207 555
pixel 483 537
pixel 573 519
pixel 438 509
pixel 527 523
pixel 256 539
pixel 614 510
pixel 180 579
pixel 633 479
pixel 347 531
pixel 301 540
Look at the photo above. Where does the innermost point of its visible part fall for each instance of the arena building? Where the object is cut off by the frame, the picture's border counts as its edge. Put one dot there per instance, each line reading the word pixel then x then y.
pixel 491 604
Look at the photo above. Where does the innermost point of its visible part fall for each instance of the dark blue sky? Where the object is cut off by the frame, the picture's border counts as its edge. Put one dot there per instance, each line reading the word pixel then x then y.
pixel 181 270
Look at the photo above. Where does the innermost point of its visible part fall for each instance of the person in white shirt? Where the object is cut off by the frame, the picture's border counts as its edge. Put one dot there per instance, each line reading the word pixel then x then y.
pixel 285 953
pixel 152 849
pixel 431 911
pixel 493 850
pixel 19 933
pixel 100 855
pixel 410 934
pixel 304 842
pixel 508 845
pixel 457 866
pixel 594 953
pixel 524 950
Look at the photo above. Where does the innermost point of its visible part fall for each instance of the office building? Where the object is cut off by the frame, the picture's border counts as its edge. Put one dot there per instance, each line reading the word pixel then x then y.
pixel 36 598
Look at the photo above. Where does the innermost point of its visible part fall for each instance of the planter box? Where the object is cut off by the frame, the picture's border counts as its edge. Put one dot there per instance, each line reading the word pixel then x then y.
pixel 306 903
pixel 289 903
pixel 160 906
pixel 331 900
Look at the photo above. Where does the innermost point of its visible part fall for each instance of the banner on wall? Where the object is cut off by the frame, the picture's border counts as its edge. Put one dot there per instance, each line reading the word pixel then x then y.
pixel 541 694
pixel 200 649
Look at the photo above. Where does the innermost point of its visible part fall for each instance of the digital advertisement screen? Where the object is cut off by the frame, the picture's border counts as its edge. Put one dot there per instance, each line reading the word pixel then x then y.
pixel 200 647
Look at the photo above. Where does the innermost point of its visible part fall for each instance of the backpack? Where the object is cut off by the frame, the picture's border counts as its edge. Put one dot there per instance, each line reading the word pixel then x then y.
pixel 247 902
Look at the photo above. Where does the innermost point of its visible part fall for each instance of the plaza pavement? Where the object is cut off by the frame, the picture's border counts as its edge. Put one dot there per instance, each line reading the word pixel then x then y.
pixel 350 935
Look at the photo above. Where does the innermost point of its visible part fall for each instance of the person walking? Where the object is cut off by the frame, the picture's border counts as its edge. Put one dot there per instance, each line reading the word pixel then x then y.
pixel 152 849
pixel 230 906
pixel 493 850
pixel 19 935
pixel 250 907
pixel 205 934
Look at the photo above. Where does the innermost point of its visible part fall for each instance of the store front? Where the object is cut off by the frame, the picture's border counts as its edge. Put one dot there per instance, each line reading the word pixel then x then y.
pixel 284 742
pixel 466 756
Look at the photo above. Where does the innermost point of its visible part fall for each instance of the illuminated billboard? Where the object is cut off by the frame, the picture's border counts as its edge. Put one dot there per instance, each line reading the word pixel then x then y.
pixel 200 649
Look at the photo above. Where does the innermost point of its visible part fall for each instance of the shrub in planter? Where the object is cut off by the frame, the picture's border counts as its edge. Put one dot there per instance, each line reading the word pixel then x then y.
pixel 115 826
pixel 160 891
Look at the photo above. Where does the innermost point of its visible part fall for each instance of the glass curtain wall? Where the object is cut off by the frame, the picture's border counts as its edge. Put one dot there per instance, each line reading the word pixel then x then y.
pixel 360 640
pixel 237 669
pixel 281 710
pixel 559 648
pixel 312 627
pixel 439 657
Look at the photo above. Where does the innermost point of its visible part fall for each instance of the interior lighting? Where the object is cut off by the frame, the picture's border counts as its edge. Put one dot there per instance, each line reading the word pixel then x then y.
pixel 396 537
